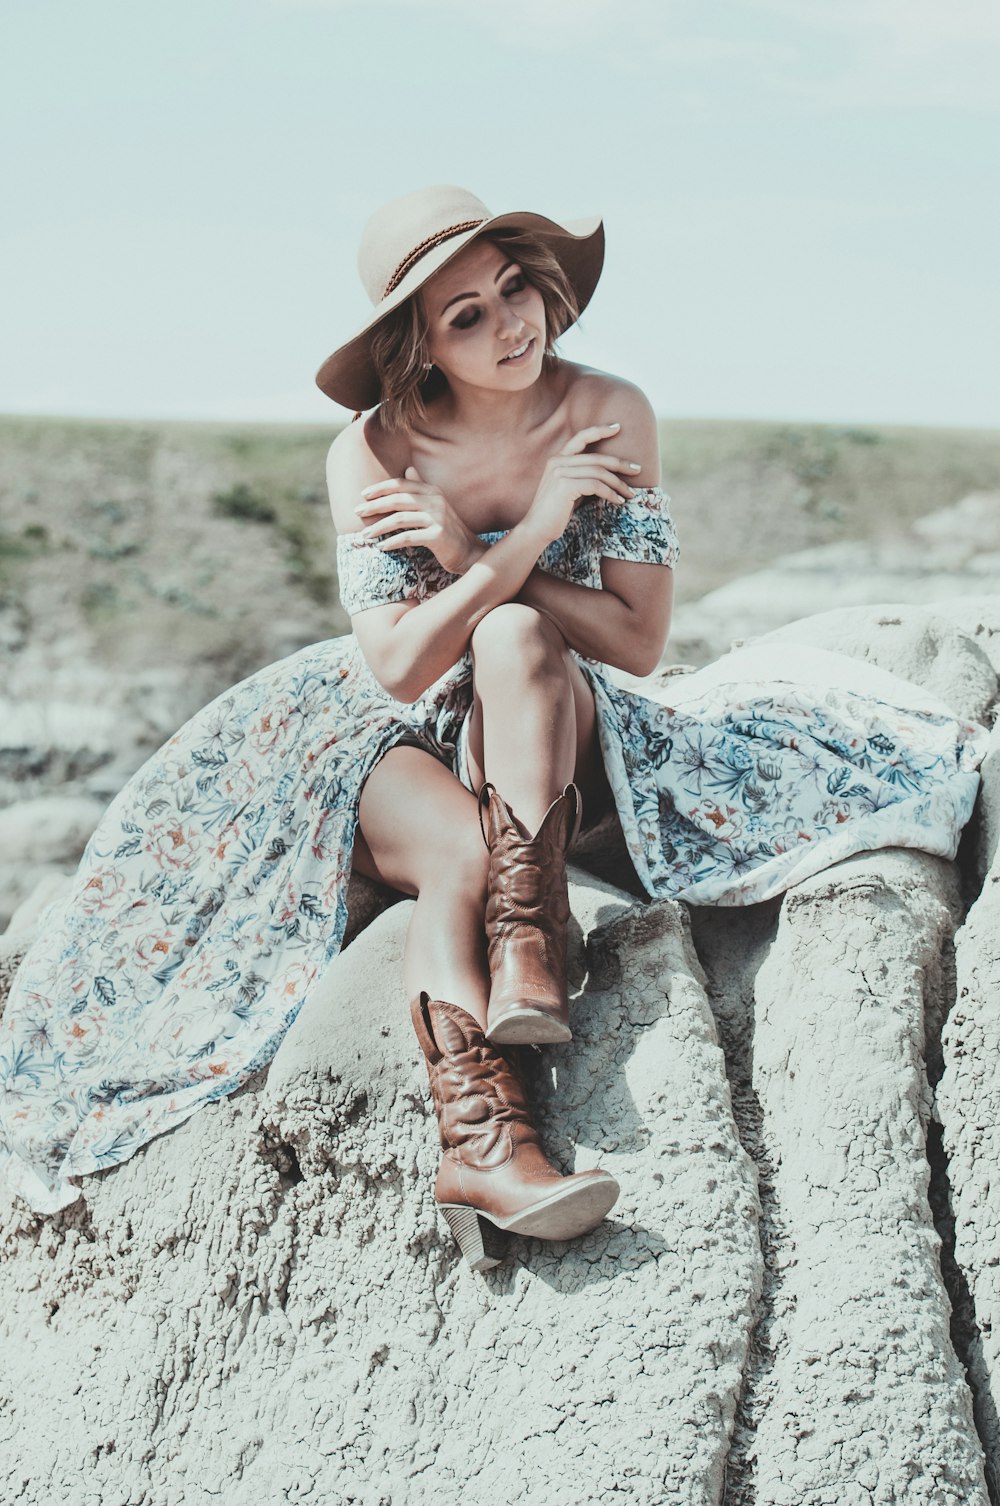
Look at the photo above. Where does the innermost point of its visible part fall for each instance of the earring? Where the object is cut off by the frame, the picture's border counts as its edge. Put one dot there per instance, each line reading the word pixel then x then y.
pixel 428 366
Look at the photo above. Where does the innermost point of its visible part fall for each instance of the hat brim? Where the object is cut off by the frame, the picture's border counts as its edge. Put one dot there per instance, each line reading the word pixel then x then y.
pixel 349 377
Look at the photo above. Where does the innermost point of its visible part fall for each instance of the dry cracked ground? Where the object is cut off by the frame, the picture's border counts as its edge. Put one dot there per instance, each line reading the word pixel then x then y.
pixel 796 1301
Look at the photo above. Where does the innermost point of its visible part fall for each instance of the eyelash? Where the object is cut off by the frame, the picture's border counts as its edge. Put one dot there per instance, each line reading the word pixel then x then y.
pixel 517 284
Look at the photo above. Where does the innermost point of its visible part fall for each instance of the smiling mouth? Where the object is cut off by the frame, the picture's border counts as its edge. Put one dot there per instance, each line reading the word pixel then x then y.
pixel 515 355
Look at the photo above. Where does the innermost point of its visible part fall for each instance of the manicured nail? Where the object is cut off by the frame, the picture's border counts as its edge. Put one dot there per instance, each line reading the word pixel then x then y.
pixel 633 466
pixel 614 426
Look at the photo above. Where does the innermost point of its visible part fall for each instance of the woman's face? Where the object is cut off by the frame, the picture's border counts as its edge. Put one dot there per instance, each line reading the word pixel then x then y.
pixel 480 309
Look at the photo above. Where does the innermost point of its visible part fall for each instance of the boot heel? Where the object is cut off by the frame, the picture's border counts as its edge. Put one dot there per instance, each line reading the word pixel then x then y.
pixel 482 1243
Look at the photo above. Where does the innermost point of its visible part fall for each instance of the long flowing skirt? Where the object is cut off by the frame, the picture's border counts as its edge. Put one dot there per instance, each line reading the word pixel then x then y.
pixel 212 894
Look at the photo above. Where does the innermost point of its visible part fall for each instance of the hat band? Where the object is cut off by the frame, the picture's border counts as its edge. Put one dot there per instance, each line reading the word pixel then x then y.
pixel 428 245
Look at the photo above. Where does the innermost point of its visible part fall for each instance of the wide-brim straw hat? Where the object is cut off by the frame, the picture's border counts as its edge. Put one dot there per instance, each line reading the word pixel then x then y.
pixel 410 238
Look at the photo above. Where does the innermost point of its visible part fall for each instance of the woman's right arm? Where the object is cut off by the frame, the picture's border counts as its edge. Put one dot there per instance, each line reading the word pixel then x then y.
pixel 409 645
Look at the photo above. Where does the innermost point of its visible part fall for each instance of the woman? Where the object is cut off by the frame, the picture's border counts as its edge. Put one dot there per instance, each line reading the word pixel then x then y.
pixel 503 535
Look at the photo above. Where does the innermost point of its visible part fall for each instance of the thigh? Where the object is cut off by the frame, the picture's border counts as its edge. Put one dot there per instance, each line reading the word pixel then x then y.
pixel 413 816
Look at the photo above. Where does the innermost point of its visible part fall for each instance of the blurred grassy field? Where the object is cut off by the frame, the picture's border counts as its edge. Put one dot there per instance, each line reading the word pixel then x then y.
pixel 212 543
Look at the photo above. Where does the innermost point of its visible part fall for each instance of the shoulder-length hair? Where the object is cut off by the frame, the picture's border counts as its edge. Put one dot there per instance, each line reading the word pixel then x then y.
pixel 399 342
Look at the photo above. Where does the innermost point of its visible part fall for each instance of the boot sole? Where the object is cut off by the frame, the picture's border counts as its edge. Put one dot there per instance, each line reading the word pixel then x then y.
pixel 525 1026
pixel 566 1214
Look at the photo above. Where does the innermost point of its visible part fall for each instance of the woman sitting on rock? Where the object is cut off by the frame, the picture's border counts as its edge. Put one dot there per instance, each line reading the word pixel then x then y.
pixel 503 539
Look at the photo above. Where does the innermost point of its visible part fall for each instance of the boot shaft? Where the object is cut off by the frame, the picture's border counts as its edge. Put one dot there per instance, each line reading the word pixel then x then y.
pixel 479 1100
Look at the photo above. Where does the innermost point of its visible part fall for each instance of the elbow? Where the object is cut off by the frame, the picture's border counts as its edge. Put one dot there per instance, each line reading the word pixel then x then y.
pixel 406 690
pixel 642 665
pixel 403 682
pixel 643 657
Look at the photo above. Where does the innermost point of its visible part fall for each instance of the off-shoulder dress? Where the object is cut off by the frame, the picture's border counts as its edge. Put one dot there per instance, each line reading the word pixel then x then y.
pixel 212 894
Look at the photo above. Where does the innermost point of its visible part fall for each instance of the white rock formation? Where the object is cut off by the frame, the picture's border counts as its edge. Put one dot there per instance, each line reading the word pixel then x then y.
pixel 41 838
pixel 952 553
pixel 263 1305
pixel 968 1100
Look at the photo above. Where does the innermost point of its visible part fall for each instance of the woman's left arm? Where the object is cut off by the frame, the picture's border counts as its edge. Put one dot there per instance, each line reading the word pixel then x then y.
pixel 625 624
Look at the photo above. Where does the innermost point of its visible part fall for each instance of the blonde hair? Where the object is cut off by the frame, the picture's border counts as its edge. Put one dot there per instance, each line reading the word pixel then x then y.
pixel 399 341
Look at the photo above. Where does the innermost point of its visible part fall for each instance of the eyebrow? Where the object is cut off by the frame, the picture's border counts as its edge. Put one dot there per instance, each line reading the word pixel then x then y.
pixel 459 296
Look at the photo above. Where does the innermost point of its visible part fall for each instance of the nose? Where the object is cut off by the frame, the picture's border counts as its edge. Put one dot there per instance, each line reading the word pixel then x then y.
pixel 511 322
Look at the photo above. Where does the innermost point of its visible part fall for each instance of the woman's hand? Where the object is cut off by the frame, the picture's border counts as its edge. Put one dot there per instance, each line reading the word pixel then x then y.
pixel 572 474
pixel 407 513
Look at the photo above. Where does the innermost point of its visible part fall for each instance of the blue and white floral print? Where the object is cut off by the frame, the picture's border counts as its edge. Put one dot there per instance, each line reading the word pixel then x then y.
pixel 212 894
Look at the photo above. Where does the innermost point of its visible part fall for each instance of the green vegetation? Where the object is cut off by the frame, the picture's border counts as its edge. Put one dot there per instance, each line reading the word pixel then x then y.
pixel 242 502
pixel 33 540
pixel 179 542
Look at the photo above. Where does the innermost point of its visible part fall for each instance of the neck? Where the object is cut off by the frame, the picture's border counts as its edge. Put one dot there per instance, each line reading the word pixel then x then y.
pixel 479 410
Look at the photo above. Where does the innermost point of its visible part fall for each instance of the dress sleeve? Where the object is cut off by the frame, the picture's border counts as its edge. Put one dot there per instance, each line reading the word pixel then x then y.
pixel 640 529
pixel 368 576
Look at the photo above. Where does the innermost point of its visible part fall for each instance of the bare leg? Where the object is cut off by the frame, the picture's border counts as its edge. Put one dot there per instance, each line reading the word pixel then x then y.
pixel 419 832
pixel 534 724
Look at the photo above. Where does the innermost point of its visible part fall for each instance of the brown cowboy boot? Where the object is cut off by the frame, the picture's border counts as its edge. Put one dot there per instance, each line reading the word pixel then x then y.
pixel 527 911
pixel 494 1174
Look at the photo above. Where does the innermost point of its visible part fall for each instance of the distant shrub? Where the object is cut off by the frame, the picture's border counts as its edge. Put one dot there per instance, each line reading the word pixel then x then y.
pixel 242 502
pixel 99 600
pixel 30 542
pixel 105 549
pixel 110 511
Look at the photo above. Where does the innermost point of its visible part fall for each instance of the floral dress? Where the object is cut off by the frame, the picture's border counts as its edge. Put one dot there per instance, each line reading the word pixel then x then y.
pixel 212 895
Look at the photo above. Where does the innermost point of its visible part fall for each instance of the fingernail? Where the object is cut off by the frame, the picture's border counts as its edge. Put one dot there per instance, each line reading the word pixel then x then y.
pixel 633 466
pixel 614 426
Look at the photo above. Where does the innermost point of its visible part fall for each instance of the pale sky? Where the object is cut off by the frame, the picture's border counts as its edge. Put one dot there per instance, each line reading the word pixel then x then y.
pixel 800 196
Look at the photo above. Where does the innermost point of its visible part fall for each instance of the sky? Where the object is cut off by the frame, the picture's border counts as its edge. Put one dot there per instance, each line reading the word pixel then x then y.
pixel 800 196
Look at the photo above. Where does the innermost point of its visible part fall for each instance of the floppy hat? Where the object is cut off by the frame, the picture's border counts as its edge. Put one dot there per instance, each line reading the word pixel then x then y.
pixel 409 238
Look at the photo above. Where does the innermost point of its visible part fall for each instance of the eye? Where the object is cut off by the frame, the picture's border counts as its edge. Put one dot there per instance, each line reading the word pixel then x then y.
pixel 465 321
pixel 517 284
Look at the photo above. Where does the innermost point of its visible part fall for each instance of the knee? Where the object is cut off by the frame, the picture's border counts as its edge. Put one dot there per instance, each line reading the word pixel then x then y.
pixel 516 637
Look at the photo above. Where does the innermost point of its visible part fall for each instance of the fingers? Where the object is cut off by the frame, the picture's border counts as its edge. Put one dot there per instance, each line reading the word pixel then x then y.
pixel 611 462
pixel 391 503
pixel 409 540
pixel 577 477
pixel 392 484
pixel 397 520
pixel 588 436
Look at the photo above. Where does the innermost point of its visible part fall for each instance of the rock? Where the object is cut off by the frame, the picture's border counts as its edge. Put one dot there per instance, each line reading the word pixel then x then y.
pixel 40 838
pixel 27 917
pixel 854 1392
pixel 838 1067
pixel 952 553
pixel 968 1103
pixel 263 1305
pixel 977 617
pixel 19 881
pixel 918 645
pixel 50 829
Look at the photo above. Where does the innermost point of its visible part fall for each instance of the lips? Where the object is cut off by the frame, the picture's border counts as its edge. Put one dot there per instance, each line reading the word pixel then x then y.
pixel 510 358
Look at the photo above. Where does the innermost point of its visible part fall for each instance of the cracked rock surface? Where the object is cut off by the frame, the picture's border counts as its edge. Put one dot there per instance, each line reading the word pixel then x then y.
pixel 263 1304
pixel 794 1303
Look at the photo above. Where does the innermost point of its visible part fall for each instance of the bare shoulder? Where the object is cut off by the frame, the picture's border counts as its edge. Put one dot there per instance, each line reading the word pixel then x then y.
pixel 360 455
pixel 598 397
